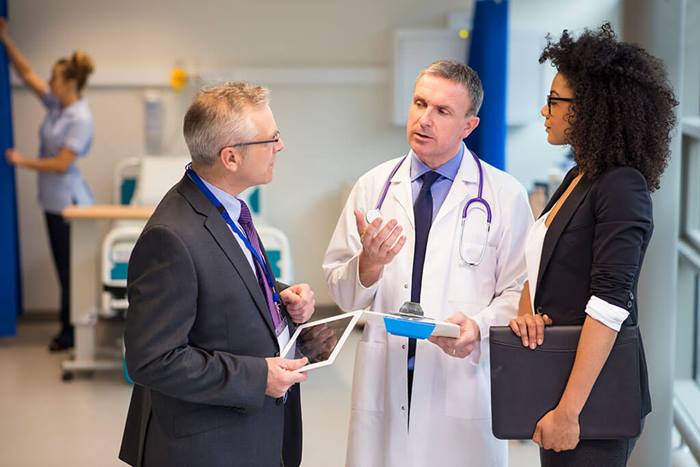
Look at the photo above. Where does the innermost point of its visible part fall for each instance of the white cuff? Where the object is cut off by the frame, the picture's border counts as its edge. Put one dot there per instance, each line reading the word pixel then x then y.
pixel 358 283
pixel 610 315
pixel 475 356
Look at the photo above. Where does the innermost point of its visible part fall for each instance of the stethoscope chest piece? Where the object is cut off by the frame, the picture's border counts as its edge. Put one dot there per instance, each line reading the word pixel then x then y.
pixel 372 215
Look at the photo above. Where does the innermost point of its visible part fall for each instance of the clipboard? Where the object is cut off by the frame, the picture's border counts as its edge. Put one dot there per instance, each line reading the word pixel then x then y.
pixel 412 326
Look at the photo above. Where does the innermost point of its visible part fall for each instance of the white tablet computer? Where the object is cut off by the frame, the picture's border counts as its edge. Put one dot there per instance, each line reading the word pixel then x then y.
pixel 320 341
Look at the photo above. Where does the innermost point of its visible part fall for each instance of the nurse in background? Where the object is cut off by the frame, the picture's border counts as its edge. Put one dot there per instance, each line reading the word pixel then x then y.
pixel 65 135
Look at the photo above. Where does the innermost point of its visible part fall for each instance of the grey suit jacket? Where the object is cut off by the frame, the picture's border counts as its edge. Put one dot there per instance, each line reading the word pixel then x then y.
pixel 198 330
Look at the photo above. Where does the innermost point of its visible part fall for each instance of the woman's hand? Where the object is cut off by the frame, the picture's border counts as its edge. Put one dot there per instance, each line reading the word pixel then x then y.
pixel 530 328
pixel 14 157
pixel 20 62
pixel 4 28
pixel 558 430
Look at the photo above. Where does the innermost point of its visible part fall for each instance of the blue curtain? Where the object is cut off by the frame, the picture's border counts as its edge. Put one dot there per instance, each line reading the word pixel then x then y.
pixel 10 290
pixel 488 55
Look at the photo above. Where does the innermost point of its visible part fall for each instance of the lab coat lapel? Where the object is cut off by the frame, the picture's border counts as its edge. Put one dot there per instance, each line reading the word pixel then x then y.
pixel 560 221
pixel 223 236
pixel 460 189
pixel 401 190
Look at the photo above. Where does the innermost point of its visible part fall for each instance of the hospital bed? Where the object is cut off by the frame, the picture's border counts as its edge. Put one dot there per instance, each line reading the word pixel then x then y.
pixel 143 182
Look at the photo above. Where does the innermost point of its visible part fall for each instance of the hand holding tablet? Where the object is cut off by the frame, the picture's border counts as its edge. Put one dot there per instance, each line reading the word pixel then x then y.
pixel 320 341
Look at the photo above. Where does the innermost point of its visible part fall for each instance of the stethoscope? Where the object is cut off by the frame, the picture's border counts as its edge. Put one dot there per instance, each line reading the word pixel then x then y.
pixel 375 213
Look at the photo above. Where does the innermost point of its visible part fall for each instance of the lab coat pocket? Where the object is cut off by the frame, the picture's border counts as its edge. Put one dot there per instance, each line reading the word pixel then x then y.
pixel 369 378
pixel 473 282
pixel 466 390
pixel 466 385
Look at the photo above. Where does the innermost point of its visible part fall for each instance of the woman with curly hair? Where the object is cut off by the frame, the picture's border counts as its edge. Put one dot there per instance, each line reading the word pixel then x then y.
pixel 612 103
pixel 65 135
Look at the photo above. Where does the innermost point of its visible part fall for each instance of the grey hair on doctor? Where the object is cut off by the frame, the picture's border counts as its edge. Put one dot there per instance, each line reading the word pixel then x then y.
pixel 458 72
pixel 218 117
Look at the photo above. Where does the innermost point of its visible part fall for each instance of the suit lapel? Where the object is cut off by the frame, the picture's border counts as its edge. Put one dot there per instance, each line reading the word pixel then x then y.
pixel 223 236
pixel 570 175
pixel 561 220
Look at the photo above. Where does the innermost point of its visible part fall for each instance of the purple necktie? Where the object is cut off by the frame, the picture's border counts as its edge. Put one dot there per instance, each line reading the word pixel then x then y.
pixel 246 221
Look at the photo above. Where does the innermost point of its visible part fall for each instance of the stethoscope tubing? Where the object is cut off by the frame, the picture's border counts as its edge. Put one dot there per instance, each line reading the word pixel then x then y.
pixel 479 199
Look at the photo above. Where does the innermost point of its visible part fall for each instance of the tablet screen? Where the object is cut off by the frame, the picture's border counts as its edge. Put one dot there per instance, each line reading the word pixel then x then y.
pixel 316 341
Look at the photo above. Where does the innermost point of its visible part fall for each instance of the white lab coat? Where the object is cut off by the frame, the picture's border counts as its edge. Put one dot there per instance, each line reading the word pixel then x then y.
pixel 450 422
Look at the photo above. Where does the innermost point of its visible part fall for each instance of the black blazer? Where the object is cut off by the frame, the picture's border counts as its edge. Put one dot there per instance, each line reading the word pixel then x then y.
pixel 197 333
pixel 595 245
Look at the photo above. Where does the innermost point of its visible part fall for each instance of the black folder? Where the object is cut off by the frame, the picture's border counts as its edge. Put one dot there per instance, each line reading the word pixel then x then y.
pixel 526 384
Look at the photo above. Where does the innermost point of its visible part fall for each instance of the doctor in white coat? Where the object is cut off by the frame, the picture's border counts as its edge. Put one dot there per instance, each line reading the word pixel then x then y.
pixel 371 265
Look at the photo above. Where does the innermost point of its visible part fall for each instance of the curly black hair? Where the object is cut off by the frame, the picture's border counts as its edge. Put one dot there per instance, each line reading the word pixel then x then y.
pixel 624 109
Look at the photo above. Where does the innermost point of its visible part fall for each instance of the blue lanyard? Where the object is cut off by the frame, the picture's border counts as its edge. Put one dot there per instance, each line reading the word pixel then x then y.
pixel 227 218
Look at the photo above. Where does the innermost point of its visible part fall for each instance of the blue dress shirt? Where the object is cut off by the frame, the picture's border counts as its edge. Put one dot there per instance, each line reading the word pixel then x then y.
pixel 448 172
pixel 233 207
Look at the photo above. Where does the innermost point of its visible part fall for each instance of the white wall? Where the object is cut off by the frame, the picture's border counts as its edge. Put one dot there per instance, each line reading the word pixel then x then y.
pixel 333 132
pixel 528 155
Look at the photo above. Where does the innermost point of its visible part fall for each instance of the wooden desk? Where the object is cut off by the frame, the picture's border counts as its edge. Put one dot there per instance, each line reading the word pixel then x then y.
pixel 108 211
pixel 85 280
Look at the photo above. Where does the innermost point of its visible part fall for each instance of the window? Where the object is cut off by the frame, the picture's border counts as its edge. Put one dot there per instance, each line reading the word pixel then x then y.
pixel 696 353
pixel 688 312
pixel 690 229
pixel 686 402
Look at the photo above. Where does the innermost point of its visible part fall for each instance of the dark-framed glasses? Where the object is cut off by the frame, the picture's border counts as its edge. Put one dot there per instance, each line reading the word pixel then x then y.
pixel 274 140
pixel 551 98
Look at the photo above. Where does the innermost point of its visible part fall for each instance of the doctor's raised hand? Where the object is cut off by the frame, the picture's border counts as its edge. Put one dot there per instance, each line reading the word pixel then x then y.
pixel 380 244
pixel 465 344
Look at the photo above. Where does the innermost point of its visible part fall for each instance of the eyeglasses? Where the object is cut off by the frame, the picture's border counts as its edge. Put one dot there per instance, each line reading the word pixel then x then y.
pixel 274 140
pixel 551 98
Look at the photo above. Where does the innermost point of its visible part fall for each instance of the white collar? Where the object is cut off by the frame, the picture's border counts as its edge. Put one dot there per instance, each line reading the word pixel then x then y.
pixel 231 203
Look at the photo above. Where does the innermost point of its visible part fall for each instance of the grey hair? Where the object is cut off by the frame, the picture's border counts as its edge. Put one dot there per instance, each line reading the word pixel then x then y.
pixel 458 72
pixel 218 117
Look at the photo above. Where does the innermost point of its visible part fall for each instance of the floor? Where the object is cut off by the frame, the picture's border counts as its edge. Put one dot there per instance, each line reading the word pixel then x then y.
pixel 47 422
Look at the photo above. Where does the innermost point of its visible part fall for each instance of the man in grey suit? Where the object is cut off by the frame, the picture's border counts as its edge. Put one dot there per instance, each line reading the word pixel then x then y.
pixel 206 319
